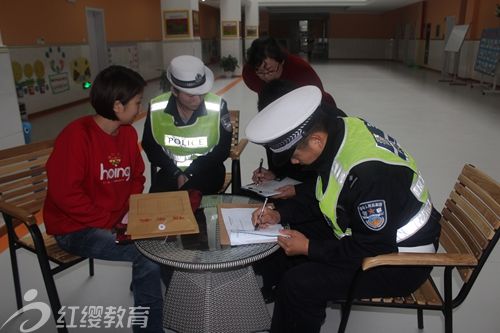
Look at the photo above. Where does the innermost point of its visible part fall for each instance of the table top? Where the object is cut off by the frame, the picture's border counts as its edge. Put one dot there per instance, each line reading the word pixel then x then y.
pixel 203 251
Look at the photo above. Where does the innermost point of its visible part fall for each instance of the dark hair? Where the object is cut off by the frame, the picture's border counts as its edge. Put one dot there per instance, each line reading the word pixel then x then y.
pixel 262 48
pixel 115 83
pixel 274 90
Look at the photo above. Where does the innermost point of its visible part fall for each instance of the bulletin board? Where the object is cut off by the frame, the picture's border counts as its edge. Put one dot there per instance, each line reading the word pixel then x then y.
pixel 488 54
pixel 456 39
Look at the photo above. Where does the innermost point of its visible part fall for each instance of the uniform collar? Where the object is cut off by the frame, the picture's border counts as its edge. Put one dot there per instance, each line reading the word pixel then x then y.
pixel 171 109
pixel 336 129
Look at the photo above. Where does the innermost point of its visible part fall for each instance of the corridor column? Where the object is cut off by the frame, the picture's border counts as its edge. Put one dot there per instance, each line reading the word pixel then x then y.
pixel 180 32
pixel 230 17
pixel 251 22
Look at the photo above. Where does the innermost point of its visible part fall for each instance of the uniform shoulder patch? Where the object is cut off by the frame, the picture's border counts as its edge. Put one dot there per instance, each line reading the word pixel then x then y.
pixel 225 120
pixel 373 214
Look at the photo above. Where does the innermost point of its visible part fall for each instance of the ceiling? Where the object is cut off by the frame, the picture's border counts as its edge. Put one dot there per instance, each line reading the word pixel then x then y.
pixel 324 6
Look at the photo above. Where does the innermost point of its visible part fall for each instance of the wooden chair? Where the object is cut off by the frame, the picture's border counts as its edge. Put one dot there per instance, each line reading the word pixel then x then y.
pixel 232 178
pixel 470 229
pixel 23 187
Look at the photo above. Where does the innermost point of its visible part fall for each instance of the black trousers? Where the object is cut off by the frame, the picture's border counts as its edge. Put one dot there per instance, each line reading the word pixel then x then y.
pixel 305 287
pixel 209 181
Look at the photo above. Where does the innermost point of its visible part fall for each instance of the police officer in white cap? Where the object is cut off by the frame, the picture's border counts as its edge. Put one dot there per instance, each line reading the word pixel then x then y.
pixel 371 196
pixel 187 133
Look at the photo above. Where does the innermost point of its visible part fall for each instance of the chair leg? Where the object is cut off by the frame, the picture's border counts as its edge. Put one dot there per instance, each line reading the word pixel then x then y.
pixel 345 312
pixel 15 275
pixel 91 266
pixel 420 319
pixel 235 177
pixel 48 277
pixel 448 307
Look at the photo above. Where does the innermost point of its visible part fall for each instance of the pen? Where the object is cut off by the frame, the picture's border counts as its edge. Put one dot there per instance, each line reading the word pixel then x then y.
pixel 260 170
pixel 260 214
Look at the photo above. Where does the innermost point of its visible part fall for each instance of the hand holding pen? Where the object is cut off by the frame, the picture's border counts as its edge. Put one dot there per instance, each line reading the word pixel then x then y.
pixel 265 216
pixel 261 174
pixel 259 219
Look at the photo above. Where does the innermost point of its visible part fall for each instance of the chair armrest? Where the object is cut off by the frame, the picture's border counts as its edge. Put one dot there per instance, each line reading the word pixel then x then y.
pixel 18 213
pixel 238 149
pixel 420 259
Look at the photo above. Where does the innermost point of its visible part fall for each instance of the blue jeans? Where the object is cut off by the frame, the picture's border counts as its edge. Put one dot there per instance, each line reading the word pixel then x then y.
pixel 100 244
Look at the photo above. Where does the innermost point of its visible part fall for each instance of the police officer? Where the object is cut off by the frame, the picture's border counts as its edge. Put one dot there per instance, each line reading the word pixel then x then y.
pixel 187 133
pixel 371 195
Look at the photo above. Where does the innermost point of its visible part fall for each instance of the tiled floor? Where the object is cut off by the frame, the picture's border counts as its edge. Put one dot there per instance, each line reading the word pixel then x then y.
pixel 443 127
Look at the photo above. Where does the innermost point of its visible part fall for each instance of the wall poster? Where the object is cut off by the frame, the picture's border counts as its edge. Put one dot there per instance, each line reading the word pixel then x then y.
pixel 176 23
pixel 229 29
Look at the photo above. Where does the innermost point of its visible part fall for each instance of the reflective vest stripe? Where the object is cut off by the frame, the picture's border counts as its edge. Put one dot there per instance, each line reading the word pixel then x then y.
pixel 416 222
pixel 159 105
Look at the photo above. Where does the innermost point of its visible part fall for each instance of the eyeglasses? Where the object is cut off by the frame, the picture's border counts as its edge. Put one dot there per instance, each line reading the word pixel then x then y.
pixel 266 69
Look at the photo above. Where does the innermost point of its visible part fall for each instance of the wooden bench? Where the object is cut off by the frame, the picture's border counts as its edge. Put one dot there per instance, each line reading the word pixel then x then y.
pixel 23 187
pixel 470 229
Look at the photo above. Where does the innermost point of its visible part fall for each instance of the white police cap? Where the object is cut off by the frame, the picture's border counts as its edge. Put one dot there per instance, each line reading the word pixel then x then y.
pixel 283 123
pixel 189 74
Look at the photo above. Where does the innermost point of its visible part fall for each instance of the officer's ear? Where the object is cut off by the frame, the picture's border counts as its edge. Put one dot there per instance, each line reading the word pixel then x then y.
pixel 175 91
pixel 317 141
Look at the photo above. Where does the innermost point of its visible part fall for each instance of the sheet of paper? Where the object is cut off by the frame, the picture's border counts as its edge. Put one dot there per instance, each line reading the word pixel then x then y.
pixel 270 188
pixel 238 223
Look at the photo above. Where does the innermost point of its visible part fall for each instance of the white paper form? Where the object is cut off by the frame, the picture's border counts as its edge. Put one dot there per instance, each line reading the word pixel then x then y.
pixel 238 222
pixel 269 188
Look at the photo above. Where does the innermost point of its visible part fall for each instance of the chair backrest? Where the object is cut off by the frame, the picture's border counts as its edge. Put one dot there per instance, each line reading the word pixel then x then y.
pixel 471 221
pixel 23 179
pixel 235 121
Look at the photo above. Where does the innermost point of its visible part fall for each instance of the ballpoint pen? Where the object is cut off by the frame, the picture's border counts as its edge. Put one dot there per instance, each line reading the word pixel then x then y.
pixel 260 165
pixel 260 215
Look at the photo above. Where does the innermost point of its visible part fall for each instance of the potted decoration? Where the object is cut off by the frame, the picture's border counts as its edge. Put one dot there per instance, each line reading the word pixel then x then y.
pixel 229 64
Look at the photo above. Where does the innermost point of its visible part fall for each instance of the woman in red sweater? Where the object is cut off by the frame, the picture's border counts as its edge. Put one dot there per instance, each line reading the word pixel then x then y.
pixel 267 61
pixel 95 166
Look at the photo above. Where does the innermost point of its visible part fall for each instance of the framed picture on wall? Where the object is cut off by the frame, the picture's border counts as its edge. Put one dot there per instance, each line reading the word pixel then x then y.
pixel 196 23
pixel 251 31
pixel 229 29
pixel 176 23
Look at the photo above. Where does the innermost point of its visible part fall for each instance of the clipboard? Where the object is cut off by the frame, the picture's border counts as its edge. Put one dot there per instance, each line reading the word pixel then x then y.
pixel 160 214
pixel 223 234
pixel 242 230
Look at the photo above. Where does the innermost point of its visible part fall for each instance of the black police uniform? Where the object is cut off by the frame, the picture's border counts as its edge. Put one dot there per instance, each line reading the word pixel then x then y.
pixel 331 264
pixel 206 173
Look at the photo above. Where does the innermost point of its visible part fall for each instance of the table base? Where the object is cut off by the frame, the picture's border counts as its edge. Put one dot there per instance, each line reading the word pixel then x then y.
pixel 215 301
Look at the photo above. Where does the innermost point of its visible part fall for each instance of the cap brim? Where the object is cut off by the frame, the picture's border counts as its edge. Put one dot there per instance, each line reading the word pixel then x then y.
pixel 200 90
pixel 282 158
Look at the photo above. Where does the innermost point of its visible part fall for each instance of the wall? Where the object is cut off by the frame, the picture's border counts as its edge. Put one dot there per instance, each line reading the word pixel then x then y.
pixel 47 41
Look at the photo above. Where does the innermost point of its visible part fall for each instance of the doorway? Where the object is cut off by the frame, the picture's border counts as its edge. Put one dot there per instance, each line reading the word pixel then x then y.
pixel 97 40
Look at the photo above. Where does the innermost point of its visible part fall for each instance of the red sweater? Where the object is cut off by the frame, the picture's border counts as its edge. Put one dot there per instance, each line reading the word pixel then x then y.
pixel 295 69
pixel 91 176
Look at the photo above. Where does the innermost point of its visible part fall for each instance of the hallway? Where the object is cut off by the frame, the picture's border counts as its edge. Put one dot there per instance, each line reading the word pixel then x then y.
pixel 442 126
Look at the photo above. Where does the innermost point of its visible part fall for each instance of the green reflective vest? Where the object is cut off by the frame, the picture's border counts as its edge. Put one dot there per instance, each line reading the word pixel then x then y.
pixel 184 144
pixel 363 142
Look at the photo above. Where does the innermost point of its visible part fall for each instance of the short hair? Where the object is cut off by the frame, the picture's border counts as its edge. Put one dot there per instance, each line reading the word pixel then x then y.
pixel 114 83
pixel 274 90
pixel 262 48
pixel 319 124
